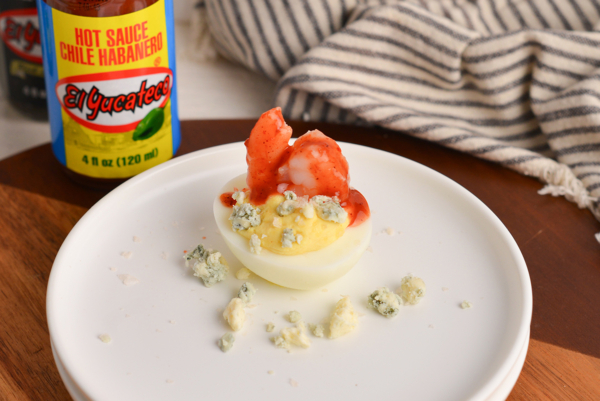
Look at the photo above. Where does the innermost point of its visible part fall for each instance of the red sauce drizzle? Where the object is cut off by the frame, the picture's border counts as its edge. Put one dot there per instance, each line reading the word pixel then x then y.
pixel 265 173
pixel 357 207
pixel 227 199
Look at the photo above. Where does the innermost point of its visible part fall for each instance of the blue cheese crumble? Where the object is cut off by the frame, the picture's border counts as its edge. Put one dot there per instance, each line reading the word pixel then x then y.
pixel 226 342
pixel 290 195
pixel 385 302
pixel 287 238
pixel 207 264
pixel 329 209
pixel 244 216
pixel 246 292
pixel 288 205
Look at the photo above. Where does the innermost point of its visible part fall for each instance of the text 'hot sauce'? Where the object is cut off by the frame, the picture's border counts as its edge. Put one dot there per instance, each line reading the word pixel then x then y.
pixel 111 84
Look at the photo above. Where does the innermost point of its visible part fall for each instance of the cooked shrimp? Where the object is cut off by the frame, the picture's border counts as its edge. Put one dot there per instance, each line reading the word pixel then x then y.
pixel 266 148
pixel 315 166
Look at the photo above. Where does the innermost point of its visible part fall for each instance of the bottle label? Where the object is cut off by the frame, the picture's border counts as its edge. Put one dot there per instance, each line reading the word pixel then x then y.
pixel 20 35
pixel 112 93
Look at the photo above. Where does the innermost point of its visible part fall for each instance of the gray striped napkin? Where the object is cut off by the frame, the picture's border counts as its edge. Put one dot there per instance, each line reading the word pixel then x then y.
pixel 516 82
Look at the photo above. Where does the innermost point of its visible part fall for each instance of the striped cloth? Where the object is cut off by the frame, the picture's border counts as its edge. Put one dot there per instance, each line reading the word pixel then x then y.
pixel 516 82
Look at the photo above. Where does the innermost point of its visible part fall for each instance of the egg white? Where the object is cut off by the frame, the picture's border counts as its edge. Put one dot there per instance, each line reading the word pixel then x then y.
pixel 303 272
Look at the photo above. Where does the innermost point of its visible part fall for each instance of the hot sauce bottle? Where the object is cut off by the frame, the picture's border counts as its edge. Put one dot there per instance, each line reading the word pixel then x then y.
pixel 111 84
pixel 21 71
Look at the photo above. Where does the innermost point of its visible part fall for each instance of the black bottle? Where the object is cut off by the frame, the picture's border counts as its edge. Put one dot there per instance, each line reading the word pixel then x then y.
pixel 21 70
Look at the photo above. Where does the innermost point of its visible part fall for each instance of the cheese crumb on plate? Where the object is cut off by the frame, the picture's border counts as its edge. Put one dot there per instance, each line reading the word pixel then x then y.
pixel 343 318
pixel 385 302
pixel 226 342
pixel 246 292
pixel 105 338
pixel 243 274
pixel 234 314
pixel 294 316
pixel 466 305
pixel 128 279
pixel 207 264
pixel 412 289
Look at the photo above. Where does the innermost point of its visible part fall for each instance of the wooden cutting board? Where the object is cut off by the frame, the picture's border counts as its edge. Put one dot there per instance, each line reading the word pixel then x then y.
pixel 39 205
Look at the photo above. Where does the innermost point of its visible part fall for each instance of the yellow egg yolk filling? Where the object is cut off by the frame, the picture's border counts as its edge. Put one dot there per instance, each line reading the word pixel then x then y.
pixel 314 233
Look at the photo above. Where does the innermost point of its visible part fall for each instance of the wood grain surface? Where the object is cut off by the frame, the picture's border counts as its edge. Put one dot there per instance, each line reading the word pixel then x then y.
pixel 39 205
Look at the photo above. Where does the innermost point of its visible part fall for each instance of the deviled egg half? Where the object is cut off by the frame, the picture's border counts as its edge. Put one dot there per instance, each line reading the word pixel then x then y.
pixel 293 219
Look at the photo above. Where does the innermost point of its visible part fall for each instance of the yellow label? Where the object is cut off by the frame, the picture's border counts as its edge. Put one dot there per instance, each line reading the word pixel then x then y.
pixel 18 68
pixel 114 87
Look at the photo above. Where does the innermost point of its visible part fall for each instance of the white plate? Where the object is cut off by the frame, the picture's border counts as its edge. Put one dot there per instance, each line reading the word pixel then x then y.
pixel 164 329
pixel 500 394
